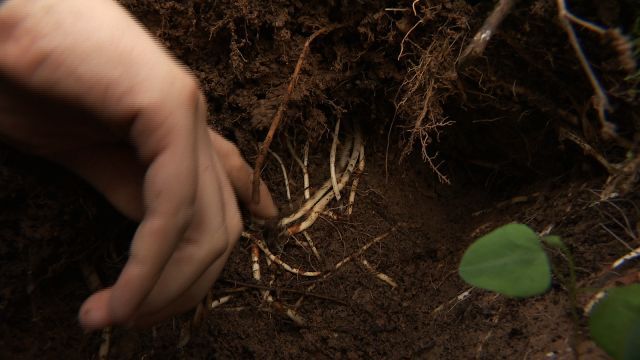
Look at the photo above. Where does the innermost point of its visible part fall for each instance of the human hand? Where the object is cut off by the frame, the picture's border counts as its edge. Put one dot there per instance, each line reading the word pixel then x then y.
pixel 82 84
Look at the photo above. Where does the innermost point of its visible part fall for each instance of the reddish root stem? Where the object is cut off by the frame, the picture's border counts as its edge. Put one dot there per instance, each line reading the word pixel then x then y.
pixel 277 118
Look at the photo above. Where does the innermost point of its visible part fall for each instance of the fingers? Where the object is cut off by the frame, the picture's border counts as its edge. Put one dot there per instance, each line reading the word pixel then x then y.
pixel 195 263
pixel 94 313
pixel 215 226
pixel 240 174
pixel 166 140
pixel 189 298
pixel 136 90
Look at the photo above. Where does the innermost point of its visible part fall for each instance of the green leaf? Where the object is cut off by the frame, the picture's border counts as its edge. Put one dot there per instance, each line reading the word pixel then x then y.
pixel 615 322
pixel 509 260
pixel 555 241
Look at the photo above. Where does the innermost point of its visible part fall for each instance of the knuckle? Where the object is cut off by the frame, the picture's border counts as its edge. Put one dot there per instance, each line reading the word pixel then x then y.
pixel 237 166
pixel 190 87
pixel 234 162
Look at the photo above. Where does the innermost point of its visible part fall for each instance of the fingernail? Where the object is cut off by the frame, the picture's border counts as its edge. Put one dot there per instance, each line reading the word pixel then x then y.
pixel 88 319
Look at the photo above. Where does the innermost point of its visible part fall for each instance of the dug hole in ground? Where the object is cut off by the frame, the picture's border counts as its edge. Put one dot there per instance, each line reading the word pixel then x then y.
pixel 430 144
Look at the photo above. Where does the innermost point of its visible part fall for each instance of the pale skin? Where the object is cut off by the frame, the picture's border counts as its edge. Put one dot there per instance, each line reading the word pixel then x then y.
pixel 84 85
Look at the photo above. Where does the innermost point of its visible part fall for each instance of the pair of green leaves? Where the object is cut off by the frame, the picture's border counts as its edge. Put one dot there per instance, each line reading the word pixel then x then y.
pixel 511 261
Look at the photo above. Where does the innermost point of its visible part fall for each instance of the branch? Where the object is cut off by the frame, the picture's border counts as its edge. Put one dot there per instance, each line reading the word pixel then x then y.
pixel 488 29
pixel 277 118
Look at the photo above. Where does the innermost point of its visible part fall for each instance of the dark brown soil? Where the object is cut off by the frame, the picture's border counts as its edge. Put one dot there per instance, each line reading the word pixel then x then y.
pixel 503 158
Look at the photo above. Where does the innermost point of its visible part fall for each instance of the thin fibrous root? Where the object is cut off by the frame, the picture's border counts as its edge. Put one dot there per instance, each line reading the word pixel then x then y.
pixel 255 272
pixel 634 254
pixel 624 243
pixel 277 118
pixel 406 36
pixel 202 310
pixel 621 44
pixel 303 166
pixel 344 261
pixel 289 312
pixel 305 171
pixel 380 275
pixel 311 245
pixel 356 180
pixel 105 344
pixel 308 205
pixel 261 244
pixel 588 149
pixel 344 154
pixel 301 298
pixel 330 215
pixel 332 161
pixel 481 39
pixel 220 301
pixel 284 174
pixel 601 100
pixel 358 253
pixel 198 315
pixel 317 196
pixel 185 334
pixel 456 300
pixel 319 207
pixel 624 48
pixel 255 262
pixel 288 290
pixel 265 294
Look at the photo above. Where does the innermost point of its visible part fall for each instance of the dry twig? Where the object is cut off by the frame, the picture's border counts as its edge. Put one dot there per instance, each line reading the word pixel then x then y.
pixel 601 101
pixel 481 39
pixel 277 118
pixel 588 149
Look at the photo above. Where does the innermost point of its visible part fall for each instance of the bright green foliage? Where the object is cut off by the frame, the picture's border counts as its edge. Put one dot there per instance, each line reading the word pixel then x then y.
pixel 615 322
pixel 555 241
pixel 509 260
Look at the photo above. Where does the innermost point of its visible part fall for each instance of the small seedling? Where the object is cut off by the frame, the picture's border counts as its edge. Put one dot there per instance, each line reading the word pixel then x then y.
pixel 511 260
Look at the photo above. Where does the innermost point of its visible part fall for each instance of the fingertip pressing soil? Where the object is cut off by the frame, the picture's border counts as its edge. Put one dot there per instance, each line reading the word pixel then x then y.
pixel 490 130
